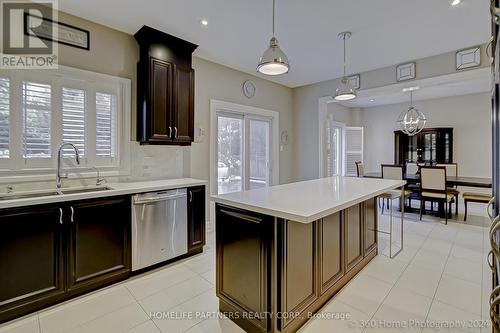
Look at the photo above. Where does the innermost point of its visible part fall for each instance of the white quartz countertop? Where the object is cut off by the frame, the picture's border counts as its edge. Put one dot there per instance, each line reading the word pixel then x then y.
pixel 122 188
pixel 308 201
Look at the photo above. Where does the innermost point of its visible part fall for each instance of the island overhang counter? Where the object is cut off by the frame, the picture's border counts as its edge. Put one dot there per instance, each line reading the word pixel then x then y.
pixel 283 251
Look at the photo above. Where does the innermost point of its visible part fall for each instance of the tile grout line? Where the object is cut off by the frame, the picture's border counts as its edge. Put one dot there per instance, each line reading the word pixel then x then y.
pixel 440 278
pixel 38 319
pixel 395 282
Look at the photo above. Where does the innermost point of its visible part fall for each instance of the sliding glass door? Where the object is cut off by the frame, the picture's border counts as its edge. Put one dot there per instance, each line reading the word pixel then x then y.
pixel 243 152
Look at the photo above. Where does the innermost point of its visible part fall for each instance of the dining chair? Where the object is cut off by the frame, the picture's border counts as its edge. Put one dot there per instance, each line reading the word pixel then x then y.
pixel 475 197
pixel 411 168
pixel 394 172
pixel 360 169
pixel 433 188
pixel 452 170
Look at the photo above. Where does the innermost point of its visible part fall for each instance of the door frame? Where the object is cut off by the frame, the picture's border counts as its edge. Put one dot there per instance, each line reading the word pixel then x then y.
pixel 217 106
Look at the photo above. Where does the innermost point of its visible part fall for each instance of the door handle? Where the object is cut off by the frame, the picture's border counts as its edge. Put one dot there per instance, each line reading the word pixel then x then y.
pixel 72 214
pixel 190 196
pixel 495 12
pixel 170 132
pixel 175 135
pixel 494 228
pixel 60 216
pixel 490 259
pixel 490 204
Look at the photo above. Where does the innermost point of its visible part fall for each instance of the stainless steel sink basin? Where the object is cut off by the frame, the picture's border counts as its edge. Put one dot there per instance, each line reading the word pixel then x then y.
pixel 85 189
pixel 45 193
pixel 27 195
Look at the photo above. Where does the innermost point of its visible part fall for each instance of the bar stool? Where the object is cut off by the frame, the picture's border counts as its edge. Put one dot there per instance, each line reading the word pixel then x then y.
pixel 394 172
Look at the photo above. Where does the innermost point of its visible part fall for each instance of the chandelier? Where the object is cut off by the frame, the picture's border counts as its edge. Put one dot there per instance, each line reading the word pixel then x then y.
pixel 412 120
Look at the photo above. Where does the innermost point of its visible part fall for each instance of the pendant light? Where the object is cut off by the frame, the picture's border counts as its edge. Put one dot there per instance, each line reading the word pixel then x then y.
pixel 411 121
pixel 273 61
pixel 345 92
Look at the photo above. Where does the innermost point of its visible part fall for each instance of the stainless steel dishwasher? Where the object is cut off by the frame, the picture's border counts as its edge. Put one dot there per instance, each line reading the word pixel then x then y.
pixel 159 227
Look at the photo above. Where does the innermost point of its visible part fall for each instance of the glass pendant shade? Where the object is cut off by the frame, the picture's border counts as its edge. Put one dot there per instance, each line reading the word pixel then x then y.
pixel 345 92
pixel 411 121
pixel 273 61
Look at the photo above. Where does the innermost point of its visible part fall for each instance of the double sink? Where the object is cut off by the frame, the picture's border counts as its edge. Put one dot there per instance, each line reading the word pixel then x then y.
pixel 46 193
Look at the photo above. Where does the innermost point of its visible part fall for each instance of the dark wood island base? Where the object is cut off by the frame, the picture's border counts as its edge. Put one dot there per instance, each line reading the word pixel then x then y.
pixel 274 274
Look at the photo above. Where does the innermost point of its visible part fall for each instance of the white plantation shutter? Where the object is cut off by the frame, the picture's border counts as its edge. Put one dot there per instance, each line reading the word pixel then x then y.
pixel 4 117
pixel 37 108
pixel 40 109
pixel 73 120
pixel 353 149
pixel 105 125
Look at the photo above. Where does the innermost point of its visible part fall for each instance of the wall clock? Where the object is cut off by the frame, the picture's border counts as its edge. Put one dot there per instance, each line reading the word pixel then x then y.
pixel 249 89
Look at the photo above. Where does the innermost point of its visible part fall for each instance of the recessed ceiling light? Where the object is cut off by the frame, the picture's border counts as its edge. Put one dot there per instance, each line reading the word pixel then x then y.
pixel 372 100
pixel 411 89
pixel 204 22
pixel 455 2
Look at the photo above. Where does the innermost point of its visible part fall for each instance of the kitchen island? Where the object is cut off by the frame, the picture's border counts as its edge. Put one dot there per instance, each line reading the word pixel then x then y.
pixel 284 251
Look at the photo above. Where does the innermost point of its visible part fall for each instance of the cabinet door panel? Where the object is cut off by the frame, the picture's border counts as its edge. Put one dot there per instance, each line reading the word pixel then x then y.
pixel 331 251
pixel 353 236
pixel 196 217
pixel 184 105
pixel 99 242
pixel 298 259
pixel 370 213
pixel 31 259
pixel 161 99
pixel 243 261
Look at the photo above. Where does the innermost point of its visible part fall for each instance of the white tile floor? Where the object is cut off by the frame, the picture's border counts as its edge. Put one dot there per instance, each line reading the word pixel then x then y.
pixel 441 276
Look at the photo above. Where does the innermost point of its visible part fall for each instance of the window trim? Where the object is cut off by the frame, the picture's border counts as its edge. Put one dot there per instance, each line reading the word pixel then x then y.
pixel 75 78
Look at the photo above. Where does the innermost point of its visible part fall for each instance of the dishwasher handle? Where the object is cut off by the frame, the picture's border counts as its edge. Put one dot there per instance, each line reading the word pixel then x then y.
pixel 140 201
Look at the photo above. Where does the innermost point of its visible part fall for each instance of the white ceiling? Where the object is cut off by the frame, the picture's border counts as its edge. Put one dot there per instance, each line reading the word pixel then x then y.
pixel 385 32
pixel 456 84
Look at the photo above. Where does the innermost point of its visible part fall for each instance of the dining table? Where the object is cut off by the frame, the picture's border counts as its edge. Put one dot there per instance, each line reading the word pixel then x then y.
pixel 450 180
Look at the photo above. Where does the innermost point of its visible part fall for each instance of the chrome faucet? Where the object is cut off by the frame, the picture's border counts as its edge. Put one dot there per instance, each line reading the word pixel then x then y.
pixel 59 160
pixel 99 180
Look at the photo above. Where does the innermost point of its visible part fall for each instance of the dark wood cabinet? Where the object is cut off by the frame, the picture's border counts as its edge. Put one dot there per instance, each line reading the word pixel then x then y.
pixel 298 261
pixel 287 268
pixel 431 146
pixel 353 223
pixel 370 214
pixel 50 253
pixel 98 246
pixel 331 251
pixel 196 218
pixel 31 259
pixel 165 89
pixel 243 263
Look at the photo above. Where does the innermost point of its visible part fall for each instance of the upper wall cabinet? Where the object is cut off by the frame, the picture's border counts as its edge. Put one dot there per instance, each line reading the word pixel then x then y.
pixel 165 89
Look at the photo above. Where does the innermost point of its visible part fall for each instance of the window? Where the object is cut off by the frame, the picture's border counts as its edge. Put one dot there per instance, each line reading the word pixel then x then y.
pixel 89 110
pixel 105 125
pixel 4 117
pixel 37 109
pixel 353 149
pixel 244 147
pixel 73 120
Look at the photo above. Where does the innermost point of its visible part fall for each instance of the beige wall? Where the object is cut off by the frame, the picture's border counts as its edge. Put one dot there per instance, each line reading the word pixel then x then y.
pixel 214 81
pixel 305 105
pixel 116 53
pixel 469 115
